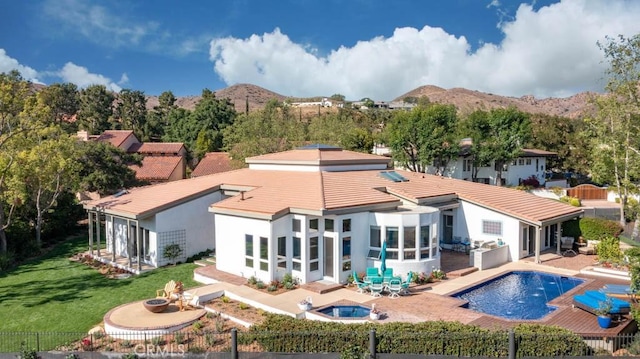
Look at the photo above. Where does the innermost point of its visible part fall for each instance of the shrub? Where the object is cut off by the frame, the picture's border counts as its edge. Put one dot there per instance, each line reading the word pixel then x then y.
pixel 571 228
pixel 574 201
pixel 272 288
pixel 609 250
pixel 631 210
pixel 288 278
pixel 172 252
pixel 178 337
pixel 532 181
pixel 598 228
pixel 226 299
pixel 252 280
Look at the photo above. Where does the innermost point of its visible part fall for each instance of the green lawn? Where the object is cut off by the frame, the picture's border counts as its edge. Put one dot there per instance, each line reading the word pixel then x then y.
pixel 54 294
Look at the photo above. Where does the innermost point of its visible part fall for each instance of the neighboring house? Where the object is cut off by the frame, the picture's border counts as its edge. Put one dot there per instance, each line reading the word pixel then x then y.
pixel 162 161
pixel 531 163
pixel 212 162
pixel 319 213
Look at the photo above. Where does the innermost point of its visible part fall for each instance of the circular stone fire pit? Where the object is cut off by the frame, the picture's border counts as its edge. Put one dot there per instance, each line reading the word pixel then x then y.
pixel 156 305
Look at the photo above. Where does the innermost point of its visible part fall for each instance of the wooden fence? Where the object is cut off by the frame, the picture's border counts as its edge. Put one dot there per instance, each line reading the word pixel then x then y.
pixel 587 191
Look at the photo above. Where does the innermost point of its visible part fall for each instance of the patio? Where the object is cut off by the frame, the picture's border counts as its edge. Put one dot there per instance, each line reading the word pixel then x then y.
pixel 431 301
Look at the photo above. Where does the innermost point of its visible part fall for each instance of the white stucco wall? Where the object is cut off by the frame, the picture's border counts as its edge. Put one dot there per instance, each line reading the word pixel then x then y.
pixel 230 234
pixel 194 217
pixel 474 215
pixel 511 176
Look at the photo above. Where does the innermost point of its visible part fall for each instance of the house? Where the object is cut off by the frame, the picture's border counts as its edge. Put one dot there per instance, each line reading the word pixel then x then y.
pixel 212 162
pixel 530 163
pixel 161 162
pixel 320 212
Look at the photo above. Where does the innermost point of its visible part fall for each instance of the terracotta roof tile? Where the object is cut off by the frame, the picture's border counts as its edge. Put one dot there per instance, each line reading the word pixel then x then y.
pixel 157 168
pixel 318 157
pixel 115 137
pixel 157 147
pixel 212 162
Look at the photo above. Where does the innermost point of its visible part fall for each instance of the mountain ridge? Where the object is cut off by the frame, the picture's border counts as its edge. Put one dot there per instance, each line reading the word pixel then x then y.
pixel 464 99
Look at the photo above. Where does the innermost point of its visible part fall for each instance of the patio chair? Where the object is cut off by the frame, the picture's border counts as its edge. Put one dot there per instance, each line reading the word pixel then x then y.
pixel 168 291
pixel 566 244
pixel 372 272
pixel 406 283
pixel 387 275
pixel 362 286
pixel 376 287
pixel 395 287
pixel 591 299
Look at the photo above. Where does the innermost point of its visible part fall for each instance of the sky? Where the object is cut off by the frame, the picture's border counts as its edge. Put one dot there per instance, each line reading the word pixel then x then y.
pixel 378 49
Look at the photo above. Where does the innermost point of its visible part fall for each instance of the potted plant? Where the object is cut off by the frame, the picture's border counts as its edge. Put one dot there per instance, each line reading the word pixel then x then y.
pixel 305 304
pixel 603 310
pixel 374 314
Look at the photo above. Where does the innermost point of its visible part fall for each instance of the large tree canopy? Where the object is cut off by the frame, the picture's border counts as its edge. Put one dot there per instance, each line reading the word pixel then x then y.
pixel 615 130
pixel 95 109
pixel 424 136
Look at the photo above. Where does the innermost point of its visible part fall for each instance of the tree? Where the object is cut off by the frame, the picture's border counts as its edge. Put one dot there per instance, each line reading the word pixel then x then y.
pixel 424 136
pixel 62 100
pixel 563 136
pixel 46 166
pixel 105 168
pixel 14 91
pixel 158 119
pixel 95 109
pixel 131 108
pixel 615 129
pixel 509 130
pixel 476 127
pixel 337 97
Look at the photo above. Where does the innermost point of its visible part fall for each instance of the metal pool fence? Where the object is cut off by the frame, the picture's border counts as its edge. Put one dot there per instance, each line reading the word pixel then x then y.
pixel 505 344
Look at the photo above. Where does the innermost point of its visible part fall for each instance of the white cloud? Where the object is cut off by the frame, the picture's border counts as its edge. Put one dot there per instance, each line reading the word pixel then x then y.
pixel 83 78
pixel 124 79
pixel 549 52
pixel 8 64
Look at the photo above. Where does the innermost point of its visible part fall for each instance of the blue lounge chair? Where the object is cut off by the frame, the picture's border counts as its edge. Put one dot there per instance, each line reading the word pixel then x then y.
pixel 395 287
pixel 376 287
pixel 406 283
pixel 619 291
pixel 591 300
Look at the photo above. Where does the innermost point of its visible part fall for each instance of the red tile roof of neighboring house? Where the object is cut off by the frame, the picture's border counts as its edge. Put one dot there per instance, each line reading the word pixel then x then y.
pixel 115 137
pixel 157 147
pixel 212 162
pixel 532 152
pixel 157 168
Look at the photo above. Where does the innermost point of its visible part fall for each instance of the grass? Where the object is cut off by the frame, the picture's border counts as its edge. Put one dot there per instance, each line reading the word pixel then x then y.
pixel 53 294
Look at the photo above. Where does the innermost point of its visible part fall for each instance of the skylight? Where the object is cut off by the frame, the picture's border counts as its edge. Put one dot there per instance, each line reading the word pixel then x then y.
pixel 393 176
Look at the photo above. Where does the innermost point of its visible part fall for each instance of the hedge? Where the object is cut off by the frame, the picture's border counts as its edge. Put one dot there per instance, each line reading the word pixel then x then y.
pixel 598 228
pixel 279 333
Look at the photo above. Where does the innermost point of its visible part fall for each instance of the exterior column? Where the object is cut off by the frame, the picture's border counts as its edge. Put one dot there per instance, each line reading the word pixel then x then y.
pixel 558 238
pixel 129 246
pixel 113 238
pixel 537 244
pixel 89 213
pixel 98 231
pixel 139 240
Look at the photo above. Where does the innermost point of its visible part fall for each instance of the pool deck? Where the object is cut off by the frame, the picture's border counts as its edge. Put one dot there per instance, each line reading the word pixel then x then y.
pixel 432 301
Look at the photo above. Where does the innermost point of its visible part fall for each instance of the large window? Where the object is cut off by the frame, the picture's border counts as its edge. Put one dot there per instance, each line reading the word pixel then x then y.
pixel 392 242
pixel 297 253
pixel 328 225
pixel 264 254
pixel 346 253
pixel 425 233
pixel 282 252
pixel 409 250
pixel 346 225
pixel 467 165
pixel 374 242
pixel 248 250
pixel 492 227
pixel 314 254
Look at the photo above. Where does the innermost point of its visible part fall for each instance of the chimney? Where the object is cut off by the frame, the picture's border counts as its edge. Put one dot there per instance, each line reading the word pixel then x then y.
pixel 83 135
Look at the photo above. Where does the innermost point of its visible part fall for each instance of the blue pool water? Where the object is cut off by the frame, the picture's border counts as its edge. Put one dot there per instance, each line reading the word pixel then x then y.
pixel 518 295
pixel 345 311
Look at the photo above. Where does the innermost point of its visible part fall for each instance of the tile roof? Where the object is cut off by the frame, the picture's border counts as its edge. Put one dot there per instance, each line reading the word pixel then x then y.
pixel 115 137
pixel 532 152
pixel 157 147
pixel 318 156
pixel 212 162
pixel 157 168
pixel 271 193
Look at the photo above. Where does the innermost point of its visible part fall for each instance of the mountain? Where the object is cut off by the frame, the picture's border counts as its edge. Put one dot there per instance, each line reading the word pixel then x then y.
pixel 468 101
pixel 465 100
pixel 238 94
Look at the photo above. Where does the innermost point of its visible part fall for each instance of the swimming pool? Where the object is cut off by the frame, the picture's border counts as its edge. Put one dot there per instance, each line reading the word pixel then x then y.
pixel 345 311
pixel 518 294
